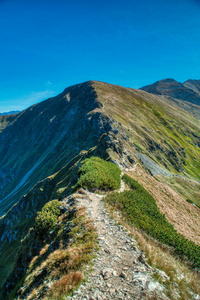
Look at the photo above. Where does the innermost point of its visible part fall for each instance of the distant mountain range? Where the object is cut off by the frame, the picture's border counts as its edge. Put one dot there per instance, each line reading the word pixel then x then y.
pixel 187 91
pixel 10 112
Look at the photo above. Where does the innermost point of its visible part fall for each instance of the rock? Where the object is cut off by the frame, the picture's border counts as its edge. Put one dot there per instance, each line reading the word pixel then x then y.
pixel 153 285
pixel 115 273
pixel 141 258
pixel 140 280
pixel 122 274
pixel 106 273
pixel 131 159
pixel 107 251
pixel 112 291
pixel 63 208
pixel 81 191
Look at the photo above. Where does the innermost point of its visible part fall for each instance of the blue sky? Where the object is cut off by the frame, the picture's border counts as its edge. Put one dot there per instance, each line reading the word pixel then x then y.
pixel 48 45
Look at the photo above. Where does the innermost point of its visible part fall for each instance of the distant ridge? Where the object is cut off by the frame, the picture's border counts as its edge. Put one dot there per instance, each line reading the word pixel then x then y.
pixel 188 91
pixel 12 112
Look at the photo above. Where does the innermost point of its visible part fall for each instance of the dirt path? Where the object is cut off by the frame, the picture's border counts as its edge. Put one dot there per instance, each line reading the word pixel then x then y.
pixel 120 270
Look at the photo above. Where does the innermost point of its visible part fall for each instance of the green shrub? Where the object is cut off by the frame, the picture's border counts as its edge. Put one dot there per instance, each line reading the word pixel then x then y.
pixel 139 208
pixel 47 218
pixel 96 173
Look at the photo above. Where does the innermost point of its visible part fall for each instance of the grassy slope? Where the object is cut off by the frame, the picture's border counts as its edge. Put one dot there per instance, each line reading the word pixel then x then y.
pixel 139 208
pixel 189 190
pixel 159 129
pixel 184 216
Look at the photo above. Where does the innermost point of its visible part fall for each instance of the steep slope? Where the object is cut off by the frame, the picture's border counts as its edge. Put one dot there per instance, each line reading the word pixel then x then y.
pixel 175 89
pixel 170 136
pixel 42 139
pixel 193 85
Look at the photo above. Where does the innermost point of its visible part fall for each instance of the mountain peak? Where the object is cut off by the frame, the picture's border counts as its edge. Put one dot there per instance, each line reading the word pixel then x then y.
pixel 188 91
pixel 167 80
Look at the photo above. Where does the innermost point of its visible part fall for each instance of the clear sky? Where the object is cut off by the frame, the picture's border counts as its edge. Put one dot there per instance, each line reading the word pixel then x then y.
pixel 47 45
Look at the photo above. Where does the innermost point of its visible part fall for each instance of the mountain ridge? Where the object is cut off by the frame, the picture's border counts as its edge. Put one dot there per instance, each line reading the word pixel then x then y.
pixel 42 149
pixel 46 127
pixel 12 112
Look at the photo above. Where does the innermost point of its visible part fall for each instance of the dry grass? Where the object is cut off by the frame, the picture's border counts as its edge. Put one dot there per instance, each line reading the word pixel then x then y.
pixel 184 216
pixel 44 249
pixel 182 279
pixel 33 294
pixel 189 190
pixel 54 273
pixel 63 286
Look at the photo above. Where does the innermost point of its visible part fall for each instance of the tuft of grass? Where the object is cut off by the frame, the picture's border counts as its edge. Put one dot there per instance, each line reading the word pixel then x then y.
pixel 65 285
pixel 140 209
pixel 96 173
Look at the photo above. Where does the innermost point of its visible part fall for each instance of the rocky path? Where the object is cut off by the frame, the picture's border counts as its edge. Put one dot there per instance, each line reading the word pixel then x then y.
pixel 120 270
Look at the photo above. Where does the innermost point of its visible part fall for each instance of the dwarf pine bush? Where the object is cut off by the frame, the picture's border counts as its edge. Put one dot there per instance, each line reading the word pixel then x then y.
pixel 96 173
pixel 47 218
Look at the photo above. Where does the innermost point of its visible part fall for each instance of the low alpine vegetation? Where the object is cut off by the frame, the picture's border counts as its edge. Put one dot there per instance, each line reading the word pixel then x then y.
pixel 47 218
pixel 96 173
pixel 140 209
pixel 55 264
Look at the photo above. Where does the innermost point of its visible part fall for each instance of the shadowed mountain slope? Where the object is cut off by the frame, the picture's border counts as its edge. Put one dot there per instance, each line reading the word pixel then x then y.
pixel 43 138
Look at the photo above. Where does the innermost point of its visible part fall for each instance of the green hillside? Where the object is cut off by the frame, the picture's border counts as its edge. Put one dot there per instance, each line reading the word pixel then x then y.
pixel 166 133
